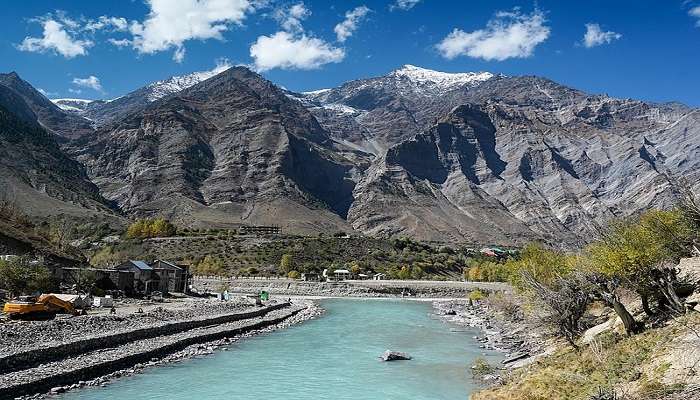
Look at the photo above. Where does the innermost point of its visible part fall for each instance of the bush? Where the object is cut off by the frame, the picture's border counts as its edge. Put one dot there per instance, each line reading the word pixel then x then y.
pixel 293 275
pixel 481 368
pixel 476 295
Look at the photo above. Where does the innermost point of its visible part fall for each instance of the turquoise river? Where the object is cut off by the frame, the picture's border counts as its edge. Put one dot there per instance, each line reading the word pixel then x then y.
pixel 332 357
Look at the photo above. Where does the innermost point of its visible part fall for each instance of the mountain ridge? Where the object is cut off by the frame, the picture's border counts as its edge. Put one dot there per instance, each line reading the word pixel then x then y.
pixel 469 157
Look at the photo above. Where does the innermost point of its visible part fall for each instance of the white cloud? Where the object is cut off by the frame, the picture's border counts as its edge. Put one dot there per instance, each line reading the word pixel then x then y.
pixel 75 91
pixel 695 12
pixel 56 39
pixel 287 51
pixel 353 17
pixel 290 18
pixel 171 23
pixel 404 4
pixel 120 42
pixel 91 82
pixel 510 34
pixel 104 22
pixel 179 55
pixel 595 36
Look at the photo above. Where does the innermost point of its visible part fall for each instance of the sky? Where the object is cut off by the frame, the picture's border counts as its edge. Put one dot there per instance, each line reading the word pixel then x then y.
pixel 642 49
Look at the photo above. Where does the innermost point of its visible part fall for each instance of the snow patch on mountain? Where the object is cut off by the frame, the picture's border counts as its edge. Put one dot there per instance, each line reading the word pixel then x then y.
pixel 160 89
pixel 76 106
pixel 442 80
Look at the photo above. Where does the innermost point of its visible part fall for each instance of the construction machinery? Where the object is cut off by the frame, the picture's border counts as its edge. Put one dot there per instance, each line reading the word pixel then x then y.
pixel 44 307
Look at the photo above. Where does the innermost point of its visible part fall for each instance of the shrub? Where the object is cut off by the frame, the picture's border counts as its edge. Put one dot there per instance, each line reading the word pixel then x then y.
pixel 293 275
pixel 481 367
pixel 476 295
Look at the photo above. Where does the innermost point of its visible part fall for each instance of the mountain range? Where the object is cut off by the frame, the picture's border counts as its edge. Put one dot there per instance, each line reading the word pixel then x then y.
pixel 467 157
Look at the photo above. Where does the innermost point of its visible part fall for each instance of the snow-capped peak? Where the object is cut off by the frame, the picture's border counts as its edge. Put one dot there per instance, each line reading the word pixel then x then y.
pixel 443 80
pixel 176 84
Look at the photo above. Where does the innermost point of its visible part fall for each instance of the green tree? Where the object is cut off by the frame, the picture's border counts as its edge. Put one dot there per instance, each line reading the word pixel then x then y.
pixel 286 263
pixel 641 255
pixel 22 276
pixel 544 265
pixel 404 273
pixel 417 272
pixel 355 268
pixel 148 228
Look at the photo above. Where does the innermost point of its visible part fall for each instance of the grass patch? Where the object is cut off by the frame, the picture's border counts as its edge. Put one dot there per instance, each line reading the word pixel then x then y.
pixel 609 361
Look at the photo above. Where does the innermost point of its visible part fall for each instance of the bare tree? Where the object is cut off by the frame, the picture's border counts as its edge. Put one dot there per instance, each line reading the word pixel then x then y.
pixel 565 301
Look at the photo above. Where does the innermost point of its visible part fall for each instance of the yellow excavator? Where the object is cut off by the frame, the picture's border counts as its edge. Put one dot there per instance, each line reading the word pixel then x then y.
pixel 44 307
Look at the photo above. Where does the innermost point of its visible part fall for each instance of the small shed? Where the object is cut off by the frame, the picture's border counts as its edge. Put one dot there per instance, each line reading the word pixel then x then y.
pixel 310 277
pixel 341 274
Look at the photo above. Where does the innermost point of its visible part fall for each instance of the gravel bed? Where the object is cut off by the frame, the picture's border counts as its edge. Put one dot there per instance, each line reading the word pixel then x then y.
pixel 164 348
pixel 18 336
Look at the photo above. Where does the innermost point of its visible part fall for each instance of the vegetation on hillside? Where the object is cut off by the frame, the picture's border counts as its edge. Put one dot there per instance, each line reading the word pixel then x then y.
pixel 150 228
pixel 634 257
pixel 398 258
pixel 22 276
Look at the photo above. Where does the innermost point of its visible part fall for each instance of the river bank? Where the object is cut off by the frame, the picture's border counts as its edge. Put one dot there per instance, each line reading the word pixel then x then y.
pixel 349 288
pixel 52 357
pixel 522 344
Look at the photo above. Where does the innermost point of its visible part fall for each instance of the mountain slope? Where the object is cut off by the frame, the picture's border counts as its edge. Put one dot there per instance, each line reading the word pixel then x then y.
pixel 560 161
pixel 46 113
pixel 35 175
pixel 232 149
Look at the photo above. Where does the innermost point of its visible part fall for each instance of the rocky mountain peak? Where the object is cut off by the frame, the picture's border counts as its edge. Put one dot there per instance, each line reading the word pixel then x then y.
pixel 174 84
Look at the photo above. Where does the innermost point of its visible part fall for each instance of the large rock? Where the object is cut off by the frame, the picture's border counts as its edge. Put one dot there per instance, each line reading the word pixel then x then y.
pixel 390 355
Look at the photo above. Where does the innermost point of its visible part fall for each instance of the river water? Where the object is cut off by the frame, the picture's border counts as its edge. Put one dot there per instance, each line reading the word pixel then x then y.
pixel 332 357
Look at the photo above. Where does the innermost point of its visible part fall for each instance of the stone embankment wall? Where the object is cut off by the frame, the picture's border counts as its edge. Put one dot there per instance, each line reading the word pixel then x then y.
pixel 41 382
pixel 27 359
pixel 388 288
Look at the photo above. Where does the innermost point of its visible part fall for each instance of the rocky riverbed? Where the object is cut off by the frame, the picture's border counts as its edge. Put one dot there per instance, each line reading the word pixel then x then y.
pixel 520 344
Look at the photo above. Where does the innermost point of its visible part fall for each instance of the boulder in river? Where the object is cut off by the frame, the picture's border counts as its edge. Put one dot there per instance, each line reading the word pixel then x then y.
pixel 395 356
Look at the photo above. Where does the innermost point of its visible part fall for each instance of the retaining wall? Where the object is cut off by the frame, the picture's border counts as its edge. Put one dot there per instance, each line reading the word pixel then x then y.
pixel 30 358
pixel 96 370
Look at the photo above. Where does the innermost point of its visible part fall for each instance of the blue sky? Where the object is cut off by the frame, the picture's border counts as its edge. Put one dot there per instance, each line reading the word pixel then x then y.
pixel 641 49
